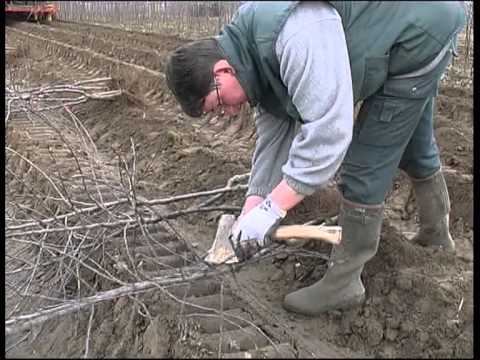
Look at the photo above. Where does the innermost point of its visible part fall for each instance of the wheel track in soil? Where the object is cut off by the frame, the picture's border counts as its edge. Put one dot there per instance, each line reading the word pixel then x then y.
pixel 82 54
pixel 143 52
pixel 167 42
pixel 237 336
pixel 143 41
pixel 144 86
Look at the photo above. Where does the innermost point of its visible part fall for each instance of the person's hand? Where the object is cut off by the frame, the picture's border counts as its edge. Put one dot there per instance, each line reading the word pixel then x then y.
pixel 250 203
pixel 251 233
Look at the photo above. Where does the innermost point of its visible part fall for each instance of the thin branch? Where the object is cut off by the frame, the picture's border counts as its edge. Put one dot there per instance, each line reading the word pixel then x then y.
pixel 163 201
pixel 22 322
pixel 125 221
pixel 87 341
pixel 18 342
pixel 40 171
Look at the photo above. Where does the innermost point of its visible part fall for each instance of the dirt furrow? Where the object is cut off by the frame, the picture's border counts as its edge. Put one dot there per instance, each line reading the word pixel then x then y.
pixel 145 56
pixel 136 38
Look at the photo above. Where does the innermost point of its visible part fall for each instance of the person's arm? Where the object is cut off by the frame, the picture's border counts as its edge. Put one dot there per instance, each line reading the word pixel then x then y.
pixel 315 68
pixel 316 71
pixel 274 137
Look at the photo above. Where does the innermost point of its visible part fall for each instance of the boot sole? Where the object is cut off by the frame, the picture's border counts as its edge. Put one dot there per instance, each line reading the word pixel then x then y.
pixel 343 305
pixel 447 247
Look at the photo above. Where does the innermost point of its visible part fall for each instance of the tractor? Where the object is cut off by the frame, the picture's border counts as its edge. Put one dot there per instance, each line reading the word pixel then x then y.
pixel 39 11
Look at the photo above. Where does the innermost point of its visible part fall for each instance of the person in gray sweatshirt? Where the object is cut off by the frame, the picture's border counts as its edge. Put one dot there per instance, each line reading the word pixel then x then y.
pixel 303 66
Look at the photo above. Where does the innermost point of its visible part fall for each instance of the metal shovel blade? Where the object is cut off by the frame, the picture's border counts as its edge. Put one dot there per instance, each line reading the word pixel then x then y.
pixel 221 251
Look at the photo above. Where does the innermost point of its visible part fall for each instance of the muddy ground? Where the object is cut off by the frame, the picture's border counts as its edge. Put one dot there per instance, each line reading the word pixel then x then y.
pixel 419 301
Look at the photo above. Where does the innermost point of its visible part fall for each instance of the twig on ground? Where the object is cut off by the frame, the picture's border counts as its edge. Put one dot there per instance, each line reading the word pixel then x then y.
pixel 123 222
pixel 234 179
pixel 35 96
pixel 49 179
pixel 25 321
pixel 219 353
pixel 163 201
pixel 18 342
pixel 89 328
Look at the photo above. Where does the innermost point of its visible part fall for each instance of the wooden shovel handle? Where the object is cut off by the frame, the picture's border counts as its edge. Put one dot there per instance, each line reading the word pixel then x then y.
pixel 331 234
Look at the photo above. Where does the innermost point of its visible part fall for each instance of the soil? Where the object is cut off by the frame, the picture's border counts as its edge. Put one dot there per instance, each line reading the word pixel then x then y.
pixel 419 300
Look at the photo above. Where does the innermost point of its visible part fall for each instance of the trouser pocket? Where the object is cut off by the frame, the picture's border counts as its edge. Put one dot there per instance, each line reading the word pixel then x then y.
pixel 386 121
pixel 384 128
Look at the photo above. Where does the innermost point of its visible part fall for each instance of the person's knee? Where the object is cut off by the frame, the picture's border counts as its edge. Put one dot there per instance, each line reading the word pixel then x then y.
pixel 362 191
pixel 421 173
pixel 421 168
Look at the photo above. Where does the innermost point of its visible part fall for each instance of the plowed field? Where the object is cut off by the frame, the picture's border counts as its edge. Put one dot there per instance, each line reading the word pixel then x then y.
pixel 419 301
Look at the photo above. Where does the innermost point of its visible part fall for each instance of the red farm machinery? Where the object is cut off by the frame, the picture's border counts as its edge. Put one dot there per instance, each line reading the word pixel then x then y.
pixel 41 11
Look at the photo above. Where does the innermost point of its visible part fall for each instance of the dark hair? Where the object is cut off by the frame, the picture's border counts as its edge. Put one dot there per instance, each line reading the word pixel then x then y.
pixel 189 73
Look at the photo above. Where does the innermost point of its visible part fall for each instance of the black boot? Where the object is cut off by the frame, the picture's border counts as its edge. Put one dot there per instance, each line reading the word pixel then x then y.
pixel 341 286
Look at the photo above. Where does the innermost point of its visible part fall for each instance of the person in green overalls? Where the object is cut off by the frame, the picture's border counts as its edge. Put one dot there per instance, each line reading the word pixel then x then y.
pixel 303 66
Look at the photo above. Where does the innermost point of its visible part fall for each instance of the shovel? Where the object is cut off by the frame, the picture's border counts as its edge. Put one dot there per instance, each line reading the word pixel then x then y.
pixel 222 252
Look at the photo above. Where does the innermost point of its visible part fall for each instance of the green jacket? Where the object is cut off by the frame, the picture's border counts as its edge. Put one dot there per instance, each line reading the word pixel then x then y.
pixel 383 38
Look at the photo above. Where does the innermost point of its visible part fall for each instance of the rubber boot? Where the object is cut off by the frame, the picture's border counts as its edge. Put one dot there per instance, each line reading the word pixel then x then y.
pixel 341 287
pixel 433 203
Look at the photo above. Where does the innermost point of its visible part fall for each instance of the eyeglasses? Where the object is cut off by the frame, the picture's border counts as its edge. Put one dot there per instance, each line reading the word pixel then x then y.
pixel 219 108
pixel 220 104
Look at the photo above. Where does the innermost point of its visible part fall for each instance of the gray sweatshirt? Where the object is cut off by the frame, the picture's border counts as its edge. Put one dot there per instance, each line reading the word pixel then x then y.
pixel 315 68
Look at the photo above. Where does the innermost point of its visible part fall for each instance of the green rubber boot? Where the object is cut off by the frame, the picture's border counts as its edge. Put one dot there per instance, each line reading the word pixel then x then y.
pixel 341 286
pixel 433 203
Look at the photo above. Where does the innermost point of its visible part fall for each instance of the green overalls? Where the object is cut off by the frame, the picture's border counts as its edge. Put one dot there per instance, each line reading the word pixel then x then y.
pixel 398 52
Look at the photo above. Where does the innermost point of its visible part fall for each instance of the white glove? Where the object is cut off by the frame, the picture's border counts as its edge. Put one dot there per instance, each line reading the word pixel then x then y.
pixel 251 233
